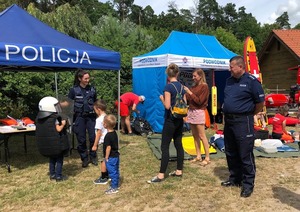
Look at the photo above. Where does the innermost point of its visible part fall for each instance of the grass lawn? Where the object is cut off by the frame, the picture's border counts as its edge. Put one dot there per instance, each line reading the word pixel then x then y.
pixel 28 188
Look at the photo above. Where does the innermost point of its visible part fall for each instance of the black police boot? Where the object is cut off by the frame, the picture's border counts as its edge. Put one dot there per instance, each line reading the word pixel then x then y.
pixel 94 161
pixel 62 178
pixel 85 163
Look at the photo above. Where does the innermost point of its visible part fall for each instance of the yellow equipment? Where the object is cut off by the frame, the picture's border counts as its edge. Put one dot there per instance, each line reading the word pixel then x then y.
pixel 214 101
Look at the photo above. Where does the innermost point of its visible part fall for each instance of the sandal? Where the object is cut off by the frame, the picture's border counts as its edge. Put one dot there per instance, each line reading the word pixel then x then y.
pixel 196 160
pixel 173 174
pixel 205 163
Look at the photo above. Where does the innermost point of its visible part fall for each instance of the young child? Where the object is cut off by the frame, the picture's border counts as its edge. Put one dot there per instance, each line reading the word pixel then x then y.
pixel 51 136
pixel 259 120
pixel 111 153
pixel 279 122
pixel 100 108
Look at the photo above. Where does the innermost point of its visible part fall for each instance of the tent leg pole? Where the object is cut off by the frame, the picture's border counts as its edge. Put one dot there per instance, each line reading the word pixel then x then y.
pixel 119 93
pixel 56 92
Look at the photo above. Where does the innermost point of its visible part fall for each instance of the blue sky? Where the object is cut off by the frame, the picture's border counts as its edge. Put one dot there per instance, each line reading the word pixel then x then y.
pixel 265 11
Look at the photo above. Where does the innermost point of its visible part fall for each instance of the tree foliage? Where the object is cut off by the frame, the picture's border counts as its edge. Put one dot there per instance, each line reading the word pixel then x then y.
pixel 228 39
pixel 283 21
pixel 130 40
pixel 122 26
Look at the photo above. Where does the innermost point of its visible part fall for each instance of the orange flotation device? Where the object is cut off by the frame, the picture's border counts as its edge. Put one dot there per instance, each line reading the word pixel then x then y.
pixel 207 119
pixel 9 122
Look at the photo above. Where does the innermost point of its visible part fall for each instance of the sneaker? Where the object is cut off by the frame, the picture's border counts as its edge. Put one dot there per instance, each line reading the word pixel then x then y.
pixel 85 163
pixel 62 178
pixel 112 191
pixel 52 177
pixel 102 181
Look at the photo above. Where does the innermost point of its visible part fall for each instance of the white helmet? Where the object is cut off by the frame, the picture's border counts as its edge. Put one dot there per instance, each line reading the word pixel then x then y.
pixel 49 104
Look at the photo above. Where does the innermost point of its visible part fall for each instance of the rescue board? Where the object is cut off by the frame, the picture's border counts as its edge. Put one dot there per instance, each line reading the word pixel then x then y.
pixel 250 58
pixel 252 65
pixel 189 146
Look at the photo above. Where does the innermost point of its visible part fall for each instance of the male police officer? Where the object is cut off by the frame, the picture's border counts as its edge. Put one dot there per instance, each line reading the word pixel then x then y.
pixel 243 97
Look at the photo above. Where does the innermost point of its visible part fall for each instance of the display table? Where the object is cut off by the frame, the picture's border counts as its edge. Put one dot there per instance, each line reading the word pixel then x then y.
pixel 7 132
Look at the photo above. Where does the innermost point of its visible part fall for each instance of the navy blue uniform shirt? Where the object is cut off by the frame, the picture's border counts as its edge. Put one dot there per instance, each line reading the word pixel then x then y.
pixel 241 95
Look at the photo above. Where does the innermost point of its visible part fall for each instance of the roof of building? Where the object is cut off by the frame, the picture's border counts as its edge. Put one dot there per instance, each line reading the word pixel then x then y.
pixel 289 38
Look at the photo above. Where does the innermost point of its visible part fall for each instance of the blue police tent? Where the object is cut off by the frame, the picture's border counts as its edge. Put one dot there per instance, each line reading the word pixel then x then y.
pixel 188 51
pixel 28 44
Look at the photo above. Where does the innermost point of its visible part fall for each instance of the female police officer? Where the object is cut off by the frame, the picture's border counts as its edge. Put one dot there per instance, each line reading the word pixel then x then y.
pixel 84 97
pixel 243 97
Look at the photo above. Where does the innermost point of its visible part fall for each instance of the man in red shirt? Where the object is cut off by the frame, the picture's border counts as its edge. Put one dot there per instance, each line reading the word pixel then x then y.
pixel 128 103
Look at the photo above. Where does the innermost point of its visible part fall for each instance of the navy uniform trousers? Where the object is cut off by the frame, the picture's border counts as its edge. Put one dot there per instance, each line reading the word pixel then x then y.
pixel 239 142
pixel 83 125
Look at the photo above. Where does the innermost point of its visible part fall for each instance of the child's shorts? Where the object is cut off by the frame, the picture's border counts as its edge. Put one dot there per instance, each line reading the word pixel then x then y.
pixel 100 153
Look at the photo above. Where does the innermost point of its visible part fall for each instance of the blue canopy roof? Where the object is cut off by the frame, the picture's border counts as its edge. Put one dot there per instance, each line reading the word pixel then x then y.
pixel 26 42
pixel 190 44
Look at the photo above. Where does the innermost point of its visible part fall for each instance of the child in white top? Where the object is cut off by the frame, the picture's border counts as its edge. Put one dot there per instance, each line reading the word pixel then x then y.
pixel 100 108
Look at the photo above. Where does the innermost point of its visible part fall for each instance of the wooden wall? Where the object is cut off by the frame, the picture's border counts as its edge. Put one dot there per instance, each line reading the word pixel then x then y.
pixel 274 67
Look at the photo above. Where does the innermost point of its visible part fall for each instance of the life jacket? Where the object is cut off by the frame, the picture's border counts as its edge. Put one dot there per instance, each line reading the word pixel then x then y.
pixel 51 143
pixel 84 103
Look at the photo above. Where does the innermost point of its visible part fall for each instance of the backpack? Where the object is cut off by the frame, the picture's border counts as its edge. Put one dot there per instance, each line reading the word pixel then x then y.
pixel 180 109
pixel 141 126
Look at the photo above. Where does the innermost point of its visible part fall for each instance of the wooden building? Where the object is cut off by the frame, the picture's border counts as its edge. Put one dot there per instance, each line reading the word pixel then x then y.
pixel 280 52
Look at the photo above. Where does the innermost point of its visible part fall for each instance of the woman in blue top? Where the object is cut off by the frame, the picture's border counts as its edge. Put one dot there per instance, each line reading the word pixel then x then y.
pixel 172 128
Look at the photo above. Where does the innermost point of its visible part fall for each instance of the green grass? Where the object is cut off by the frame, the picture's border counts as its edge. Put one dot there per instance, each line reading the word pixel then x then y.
pixel 28 188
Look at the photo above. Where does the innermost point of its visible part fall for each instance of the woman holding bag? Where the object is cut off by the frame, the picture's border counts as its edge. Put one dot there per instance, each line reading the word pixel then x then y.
pixel 172 128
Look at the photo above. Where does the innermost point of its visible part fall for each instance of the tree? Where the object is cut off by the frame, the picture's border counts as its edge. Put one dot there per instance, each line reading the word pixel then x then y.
pixel 148 16
pixel 62 19
pixel 229 40
pixel 123 8
pixel 209 14
pixel 47 5
pixel 265 31
pixel 136 14
pixel 297 26
pixel 174 20
pixel 245 25
pixel 128 39
pixel 226 37
pixel 283 21
pixel 21 91
pixel 230 15
pixel 187 17
pixel 94 9
pixel 21 3
pixel 121 25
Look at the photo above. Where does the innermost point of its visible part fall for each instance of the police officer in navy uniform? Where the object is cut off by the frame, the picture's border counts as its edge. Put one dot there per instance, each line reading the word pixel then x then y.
pixel 84 97
pixel 243 97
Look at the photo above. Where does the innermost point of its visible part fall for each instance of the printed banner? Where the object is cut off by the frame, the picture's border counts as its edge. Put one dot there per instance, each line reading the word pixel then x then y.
pixel 181 61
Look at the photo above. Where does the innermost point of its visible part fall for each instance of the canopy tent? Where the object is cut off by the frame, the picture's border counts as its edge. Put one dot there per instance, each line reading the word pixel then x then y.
pixel 188 51
pixel 28 44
